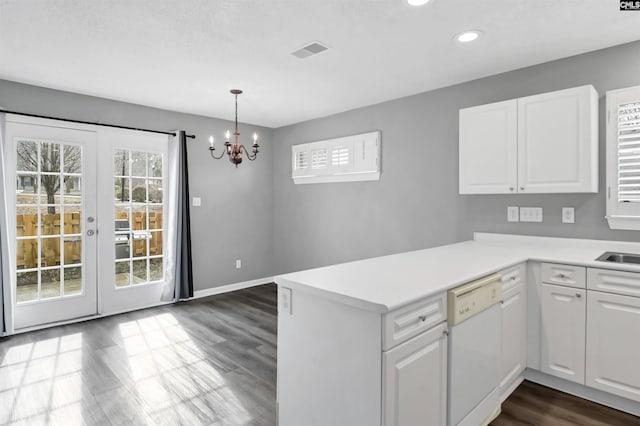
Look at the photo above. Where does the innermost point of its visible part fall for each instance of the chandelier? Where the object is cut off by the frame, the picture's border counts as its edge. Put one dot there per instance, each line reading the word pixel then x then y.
pixel 234 151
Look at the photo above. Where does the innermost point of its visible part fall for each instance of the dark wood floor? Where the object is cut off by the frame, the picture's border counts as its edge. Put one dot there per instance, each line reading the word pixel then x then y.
pixel 208 361
pixel 532 404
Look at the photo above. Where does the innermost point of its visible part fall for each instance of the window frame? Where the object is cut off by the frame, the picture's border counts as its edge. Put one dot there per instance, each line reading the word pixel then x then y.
pixel 363 162
pixel 624 216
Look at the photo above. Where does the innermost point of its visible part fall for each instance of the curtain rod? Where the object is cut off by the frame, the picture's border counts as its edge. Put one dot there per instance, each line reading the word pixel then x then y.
pixel 95 124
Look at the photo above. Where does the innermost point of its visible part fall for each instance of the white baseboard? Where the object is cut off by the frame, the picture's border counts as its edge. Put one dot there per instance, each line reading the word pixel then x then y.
pixel 231 287
pixel 584 392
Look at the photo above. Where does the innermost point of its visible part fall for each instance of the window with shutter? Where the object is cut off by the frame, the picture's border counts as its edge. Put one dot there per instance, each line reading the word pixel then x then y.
pixel 350 158
pixel 623 158
pixel 629 153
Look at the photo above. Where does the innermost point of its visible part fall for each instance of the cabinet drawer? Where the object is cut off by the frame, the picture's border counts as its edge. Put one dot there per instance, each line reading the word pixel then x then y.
pixel 512 277
pixel 411 320
pixel 566 275
pixel 609 281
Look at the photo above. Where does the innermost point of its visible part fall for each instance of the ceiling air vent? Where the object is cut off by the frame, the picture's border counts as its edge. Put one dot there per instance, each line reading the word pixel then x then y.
pixel 309 50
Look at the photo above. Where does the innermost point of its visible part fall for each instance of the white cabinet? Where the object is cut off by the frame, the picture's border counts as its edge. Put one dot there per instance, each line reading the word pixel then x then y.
pixel 415 380
pixel 545 143
pixel 513 359
pixel 563 321
pixel 613 346
pixel 488 148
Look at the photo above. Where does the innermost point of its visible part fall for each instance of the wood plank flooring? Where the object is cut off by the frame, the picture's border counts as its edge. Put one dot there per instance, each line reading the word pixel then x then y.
pixel 209 361
pixel 536 405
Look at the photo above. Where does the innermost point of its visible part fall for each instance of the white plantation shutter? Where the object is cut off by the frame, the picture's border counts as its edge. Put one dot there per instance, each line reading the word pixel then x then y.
pixel 350 158
pixel 319 159
pixel 629 152
pixel 623 158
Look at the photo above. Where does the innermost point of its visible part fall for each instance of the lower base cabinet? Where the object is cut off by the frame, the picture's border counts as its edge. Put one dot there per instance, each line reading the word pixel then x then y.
pixel 415 380
pixel 513 356
pixel 563 328
pixel 613 344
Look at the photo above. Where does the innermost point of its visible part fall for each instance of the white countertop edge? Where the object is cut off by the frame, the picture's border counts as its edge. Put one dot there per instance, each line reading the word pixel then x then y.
pixel 336 297
pixel 556 242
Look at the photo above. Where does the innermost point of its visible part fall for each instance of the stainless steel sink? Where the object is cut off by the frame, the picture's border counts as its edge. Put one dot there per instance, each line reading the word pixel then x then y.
pixel 614 257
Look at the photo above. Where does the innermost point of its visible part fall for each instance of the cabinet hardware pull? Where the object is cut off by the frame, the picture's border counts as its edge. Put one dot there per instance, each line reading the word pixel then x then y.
pixel 578 295
pixel 513 278
pixel 562 275
pixel 445 332
pixel 511 188
pixel 522 188
pixel 422 318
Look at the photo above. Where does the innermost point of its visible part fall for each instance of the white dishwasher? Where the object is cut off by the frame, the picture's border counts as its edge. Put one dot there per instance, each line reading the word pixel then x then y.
pixel 474 352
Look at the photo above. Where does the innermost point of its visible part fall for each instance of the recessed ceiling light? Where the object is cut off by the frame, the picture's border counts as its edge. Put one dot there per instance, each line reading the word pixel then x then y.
pixel 468 36
pixel 417 3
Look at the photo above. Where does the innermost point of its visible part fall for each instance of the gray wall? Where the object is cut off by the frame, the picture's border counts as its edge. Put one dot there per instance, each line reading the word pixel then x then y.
pixel 416 203
pixel 235 219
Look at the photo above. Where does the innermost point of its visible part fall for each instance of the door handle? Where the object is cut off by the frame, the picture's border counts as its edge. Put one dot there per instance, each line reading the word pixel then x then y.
pixel 90 232
pixel 91 219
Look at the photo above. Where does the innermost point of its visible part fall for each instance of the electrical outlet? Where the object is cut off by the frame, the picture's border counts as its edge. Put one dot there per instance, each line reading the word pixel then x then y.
pixel 568 215
pixel 284 295
pixel 197 202
pixel 512 214
pixel 530 214
pixel 238 263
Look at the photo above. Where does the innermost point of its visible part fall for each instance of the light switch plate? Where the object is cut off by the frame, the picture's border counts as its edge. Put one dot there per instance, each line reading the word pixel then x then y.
pixel 568 215
pixel 530 214
pixel 197 202
pixel 513 214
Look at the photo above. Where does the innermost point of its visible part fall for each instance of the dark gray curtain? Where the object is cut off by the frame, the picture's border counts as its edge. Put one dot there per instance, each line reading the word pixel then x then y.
pixel 184 285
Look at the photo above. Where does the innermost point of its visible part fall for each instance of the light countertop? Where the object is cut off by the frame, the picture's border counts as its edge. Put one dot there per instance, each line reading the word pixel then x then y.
pixel 386 283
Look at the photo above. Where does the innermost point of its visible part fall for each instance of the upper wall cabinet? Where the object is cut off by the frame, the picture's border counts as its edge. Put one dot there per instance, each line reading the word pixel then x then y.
pixel 545 143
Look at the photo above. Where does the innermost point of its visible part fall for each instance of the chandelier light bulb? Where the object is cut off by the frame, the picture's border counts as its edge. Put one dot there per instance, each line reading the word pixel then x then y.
pixel 211 141
pixel 255 137
pixel 228 134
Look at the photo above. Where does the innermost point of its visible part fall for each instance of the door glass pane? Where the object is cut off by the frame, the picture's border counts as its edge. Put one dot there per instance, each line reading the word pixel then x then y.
pixel 27 286
pixel 27 156
pixel 138 163
pixel 121 190
pixel 71 188
pixel 50 157
pixel 139 272
pixel 72 250
pixel 72 281
pixel 155 269
pixel 72 159
pixel 138 197
pixel 122 274
pixel 49 204
pixel 50 283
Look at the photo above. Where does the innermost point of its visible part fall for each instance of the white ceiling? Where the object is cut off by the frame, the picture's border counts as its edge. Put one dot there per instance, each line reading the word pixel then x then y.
pixel 185 55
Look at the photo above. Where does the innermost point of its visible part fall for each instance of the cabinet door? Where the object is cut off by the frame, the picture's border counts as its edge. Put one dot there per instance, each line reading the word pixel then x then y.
pixel 415 381
pixel 563 332
pixel 513 359
pixel 558 141
pixel 613 346
pixel 488 149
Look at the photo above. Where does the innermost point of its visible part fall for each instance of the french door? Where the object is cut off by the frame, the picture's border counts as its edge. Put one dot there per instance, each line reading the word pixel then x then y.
pixel 53 222
pixel 133 202
pixel 89 220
